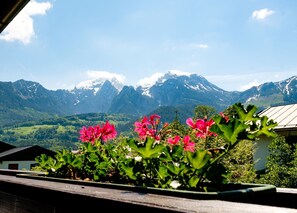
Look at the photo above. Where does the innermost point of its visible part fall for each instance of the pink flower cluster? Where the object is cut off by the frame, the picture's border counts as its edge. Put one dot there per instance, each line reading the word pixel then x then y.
pixel 201 127
pixel 147 127
pixel 92 133
pixel 202 130
pixel 188 145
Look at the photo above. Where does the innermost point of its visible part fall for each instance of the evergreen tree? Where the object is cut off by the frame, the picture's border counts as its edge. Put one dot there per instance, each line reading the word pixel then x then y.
pixel 202 112
pixel 281 166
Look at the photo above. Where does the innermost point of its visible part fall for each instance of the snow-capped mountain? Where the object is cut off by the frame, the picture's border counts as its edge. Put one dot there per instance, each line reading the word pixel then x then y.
pixel 27 100
pixel 271 93
pixel 130 101
pixel 145 84
pixel 96 84
pixel 179 88
pixel 95 95
pixel 289 86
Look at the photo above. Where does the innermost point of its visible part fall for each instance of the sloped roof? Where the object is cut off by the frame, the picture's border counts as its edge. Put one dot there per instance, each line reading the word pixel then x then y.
pixel 13 150
pixel 285 116
pixel 25 153
pixel 5 146
pixel 8 10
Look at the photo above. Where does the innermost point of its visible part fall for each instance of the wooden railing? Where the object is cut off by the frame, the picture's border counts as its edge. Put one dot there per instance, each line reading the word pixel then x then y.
pixel 26 195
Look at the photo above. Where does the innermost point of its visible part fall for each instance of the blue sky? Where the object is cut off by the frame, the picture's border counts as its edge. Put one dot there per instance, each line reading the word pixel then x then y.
pixel 233 44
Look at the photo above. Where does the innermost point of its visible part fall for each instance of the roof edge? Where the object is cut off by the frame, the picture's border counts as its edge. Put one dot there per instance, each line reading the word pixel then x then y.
pixel 10 13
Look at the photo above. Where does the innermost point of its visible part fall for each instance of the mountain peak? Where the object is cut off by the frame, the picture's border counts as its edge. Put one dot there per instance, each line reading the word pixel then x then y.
pixel 146 84
pixel 96 84
pixel 177 73
pixel 288 84
pixel 173 88
pixel 160 77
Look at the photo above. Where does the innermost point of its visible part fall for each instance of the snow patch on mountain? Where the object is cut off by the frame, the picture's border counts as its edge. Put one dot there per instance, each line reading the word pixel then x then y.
pixel 96 84
pixel 32 88
pixel 98 78
pixel 178 73
pixel 252 98
pixel 158 78
pixel 150 81
pixel 199 86
pixel 289 81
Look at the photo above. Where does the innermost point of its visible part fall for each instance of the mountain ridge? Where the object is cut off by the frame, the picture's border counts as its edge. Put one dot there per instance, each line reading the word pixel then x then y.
pixel 23 99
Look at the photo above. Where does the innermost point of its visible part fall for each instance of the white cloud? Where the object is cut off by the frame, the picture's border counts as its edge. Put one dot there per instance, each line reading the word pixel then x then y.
pixel 194 46
pixel 22 27
pixel 202 46
pixel 249 85
pixel 148 81
pixel 262 14
pixel 241 82
pixel 179 72
pixel 151 80
pixel 238 82
pixel 94 74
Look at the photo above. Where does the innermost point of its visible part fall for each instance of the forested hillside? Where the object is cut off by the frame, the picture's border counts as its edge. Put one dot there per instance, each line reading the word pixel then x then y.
pixel 60 132
pixel 63 132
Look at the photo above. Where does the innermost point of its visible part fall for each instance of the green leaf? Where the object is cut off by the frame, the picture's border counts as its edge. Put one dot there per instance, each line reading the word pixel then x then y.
pixel 148 149
pixel 44 161
pixel 172 168
pixel 129 171
pixel 193 181
pixel 198 159
pixel 163 172
pixel 76 162
pixel 267 127
pixel 231 130
pixel 89 148
pixel 92 157
pixel 245 114
pixel 248 125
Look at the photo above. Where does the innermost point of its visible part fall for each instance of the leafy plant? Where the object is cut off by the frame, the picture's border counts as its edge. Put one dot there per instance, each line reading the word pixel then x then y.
pixel 159 155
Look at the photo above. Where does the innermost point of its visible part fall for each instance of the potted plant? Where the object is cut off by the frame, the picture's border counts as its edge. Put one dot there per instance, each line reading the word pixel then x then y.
pixel 161 158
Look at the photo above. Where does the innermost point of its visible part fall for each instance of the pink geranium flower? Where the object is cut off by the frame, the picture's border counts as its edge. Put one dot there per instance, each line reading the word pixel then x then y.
pixel 142 127
pixel 173 141
pixel 188 144
pixel 201 127
pixel 88 134
pixel 154 119
pixel 224 116
pixel 108 131
pixel 104 133
pixel 147 127
pixel 191 123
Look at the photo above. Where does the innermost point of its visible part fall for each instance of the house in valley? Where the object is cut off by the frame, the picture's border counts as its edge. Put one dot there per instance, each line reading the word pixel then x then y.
pixel 286 118
pixel 11 157
pixel 20 158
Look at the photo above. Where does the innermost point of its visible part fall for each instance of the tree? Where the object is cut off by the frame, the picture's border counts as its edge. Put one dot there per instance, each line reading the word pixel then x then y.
pixel 281 166
pixel 202 112
pixel 176 127
pixel 240 163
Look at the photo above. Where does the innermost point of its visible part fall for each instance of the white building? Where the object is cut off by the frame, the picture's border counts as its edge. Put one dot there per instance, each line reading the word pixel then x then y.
pixel 286 118
pixel 20 158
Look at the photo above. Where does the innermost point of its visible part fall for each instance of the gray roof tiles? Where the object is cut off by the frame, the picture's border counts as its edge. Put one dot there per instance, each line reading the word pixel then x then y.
pixel 285 116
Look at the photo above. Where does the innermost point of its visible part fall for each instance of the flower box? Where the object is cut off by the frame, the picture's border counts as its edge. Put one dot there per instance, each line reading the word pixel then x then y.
pixel 177 161
pixel 243 192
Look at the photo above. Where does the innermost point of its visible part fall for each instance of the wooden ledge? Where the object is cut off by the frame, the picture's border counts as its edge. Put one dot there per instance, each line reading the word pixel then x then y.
pixel 64 197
